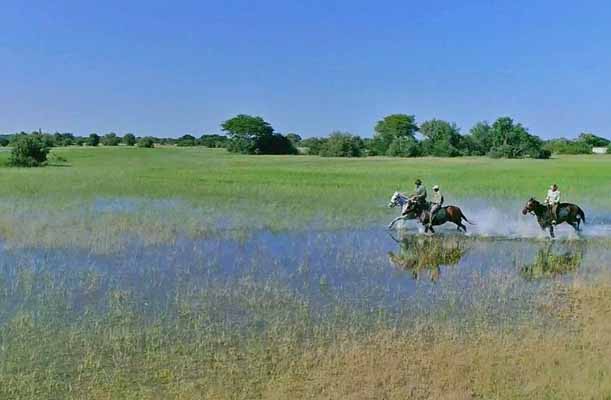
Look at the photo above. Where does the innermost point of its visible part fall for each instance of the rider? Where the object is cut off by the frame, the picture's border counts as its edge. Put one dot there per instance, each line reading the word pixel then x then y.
pixel 436 203
pixel 420 194
pixel 552 200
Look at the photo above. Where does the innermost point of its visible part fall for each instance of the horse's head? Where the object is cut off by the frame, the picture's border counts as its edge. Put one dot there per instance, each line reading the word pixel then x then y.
pixel 396 200
pixel 530 206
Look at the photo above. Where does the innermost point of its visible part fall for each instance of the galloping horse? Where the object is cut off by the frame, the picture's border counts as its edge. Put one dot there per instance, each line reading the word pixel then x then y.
pixel 566 212
pixel 412 210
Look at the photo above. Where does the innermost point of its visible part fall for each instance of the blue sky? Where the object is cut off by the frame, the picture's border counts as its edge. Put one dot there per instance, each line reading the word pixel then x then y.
pixel 310 67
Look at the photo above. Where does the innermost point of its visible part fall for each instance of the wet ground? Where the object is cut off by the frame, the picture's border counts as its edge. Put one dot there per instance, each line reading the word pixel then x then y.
pixel 400 274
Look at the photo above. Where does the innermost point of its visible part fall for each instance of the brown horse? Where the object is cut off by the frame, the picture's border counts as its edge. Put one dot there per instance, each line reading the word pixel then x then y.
pixel 444 214
pixel 565 212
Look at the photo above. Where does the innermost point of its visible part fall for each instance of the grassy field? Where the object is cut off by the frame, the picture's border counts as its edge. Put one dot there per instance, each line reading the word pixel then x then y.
pixel 145 321
pixel 213 189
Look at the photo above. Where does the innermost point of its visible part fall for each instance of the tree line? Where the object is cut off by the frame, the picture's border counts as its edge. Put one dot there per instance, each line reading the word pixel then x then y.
pixel 396 135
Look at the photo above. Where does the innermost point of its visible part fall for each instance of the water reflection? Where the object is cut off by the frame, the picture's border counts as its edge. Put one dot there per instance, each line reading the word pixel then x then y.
pixel 554 259
pixel 422 254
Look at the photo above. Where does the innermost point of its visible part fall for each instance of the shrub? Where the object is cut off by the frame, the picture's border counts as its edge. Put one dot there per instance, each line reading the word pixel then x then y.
pixel 4 142
pixel 93 140
pixel 403 147
pixel 274 144
pixel 213 141
pixel 129 139
pixel 342 144
pixel 146 142
pixel 29 151
pixel 313 145
pixel 111 139
pixel 186 141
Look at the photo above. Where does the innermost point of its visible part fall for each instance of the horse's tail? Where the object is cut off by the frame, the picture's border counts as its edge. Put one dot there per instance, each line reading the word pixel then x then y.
pixel 581 214
pixel 465 218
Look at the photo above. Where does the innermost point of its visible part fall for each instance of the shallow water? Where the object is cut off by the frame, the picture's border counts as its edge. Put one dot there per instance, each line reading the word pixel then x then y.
pixel 401 275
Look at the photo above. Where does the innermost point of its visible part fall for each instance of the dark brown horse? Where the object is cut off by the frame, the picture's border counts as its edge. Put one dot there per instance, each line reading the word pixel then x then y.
pixel 444 214
pixel 565 212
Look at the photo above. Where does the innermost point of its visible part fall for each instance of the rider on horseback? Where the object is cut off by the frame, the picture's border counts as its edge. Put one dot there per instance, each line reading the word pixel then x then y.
pixel 419 195
pixel 436 203
pixel 551 201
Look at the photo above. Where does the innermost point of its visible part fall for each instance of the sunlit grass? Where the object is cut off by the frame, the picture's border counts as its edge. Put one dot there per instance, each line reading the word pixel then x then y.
pixel 160 326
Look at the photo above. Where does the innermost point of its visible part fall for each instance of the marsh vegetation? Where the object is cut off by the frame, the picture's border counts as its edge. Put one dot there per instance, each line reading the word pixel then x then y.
pixel 189 273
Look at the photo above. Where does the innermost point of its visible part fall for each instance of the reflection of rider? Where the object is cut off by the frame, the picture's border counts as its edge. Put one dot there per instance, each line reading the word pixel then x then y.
pixel 436 203
pixel 420 194
pixel 552 200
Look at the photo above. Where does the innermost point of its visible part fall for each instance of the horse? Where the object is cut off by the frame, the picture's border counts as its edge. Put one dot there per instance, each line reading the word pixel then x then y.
pixel 566 212
pixel 399 199
pixel 412 209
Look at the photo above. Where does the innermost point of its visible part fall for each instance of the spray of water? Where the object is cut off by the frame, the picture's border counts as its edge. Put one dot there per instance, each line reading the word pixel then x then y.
pixel 506 220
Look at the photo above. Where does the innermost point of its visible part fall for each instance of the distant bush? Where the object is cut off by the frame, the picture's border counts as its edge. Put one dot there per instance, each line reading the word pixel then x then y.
pixel 93 140
pixel 146 142
pixel 28 151
pixel 313 145
pixel 274 144
pixel 186 141
pixel 111 139
pixel 565 146
pixel 129 139
pixel 4 142
pixel 404 146
pixel 593 140
pixel 342 144
pixel 63 139
pixel 214 141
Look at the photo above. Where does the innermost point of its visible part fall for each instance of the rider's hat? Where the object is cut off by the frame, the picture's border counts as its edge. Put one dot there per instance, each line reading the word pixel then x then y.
pixel 436 187
pixel 418 182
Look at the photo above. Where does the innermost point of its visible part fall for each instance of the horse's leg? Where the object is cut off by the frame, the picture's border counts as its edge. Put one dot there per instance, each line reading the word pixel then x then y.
pixel 575 226
pixel 395 221
pixel 551 231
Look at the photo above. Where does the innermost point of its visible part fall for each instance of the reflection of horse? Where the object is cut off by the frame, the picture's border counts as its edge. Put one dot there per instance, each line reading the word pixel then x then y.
pixel 566 212
pixel 417 253
pixel 411 209
pixel 547 264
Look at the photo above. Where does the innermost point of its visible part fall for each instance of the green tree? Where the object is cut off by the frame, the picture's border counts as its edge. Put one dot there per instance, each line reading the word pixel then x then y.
pixel 511 140
pixel 253 135
pixel 481 138
pixel 342 144
pixel 313 145
pixel 404 147
pixel 294 138
pixel 146 142
pixel 213 141
pixel 443 139
pixel 29 151
pixel 129 139
pixel 111 139
pixel 593 140
pixel 391 127
pixel 4 141
pixel 244 130
pixel 186 141
pixel 565 146
pixel 93 140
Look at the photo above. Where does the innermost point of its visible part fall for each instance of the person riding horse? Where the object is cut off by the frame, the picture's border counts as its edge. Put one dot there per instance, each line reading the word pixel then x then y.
pixel 551 201
pixel 419 195
pixel 436 203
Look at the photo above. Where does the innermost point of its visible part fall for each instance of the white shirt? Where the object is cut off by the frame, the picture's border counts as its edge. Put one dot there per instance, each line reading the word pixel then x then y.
pixel 553 197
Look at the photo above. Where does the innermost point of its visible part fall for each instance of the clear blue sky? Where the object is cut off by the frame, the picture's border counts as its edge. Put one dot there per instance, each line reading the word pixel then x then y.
pixel 310 67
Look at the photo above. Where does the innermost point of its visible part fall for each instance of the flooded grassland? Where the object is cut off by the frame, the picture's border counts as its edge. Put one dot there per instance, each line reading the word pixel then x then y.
pixel 165 296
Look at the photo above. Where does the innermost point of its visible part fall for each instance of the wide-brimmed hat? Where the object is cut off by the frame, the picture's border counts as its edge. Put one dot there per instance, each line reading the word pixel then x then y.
pixel 418 182
pixel 435 187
